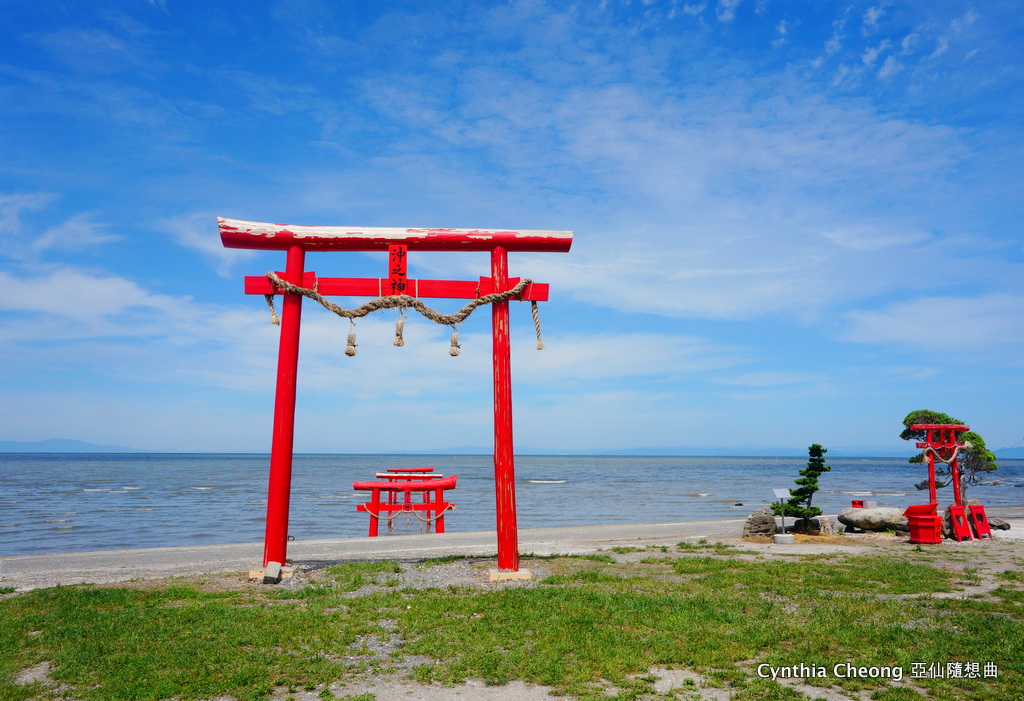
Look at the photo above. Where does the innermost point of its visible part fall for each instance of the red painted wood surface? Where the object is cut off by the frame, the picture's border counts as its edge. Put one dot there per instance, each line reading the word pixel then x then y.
pixel 961 528
pixel 377 287
pixel 942 438
pixel 235 233
pixel 296 240
pixel 979 521
pixel 504 454
pixel 275 542
pixel 398 265
pixel 428 488
pixel 411 486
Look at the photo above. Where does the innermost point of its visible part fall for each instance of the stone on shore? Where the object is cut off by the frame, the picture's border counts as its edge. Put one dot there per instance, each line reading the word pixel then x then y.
pixel 998 524
pixel 760 522
pixel 819 525
pixel 880 518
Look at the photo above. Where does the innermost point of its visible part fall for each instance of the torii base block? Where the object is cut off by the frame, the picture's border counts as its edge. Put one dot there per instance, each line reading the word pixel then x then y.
pixel 499 575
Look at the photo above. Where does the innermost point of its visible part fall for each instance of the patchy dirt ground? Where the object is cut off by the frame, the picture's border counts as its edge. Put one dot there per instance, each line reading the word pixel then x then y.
pixel 977 565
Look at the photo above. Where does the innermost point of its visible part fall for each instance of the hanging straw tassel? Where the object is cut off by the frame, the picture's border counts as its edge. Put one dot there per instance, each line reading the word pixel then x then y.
pixel 350 350
pixel 274 319
pixel 536 323
pixel 399 330
pixel 455 343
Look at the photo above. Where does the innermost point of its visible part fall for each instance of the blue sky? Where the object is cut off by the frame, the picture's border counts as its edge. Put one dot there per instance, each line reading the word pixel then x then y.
pixel 795 222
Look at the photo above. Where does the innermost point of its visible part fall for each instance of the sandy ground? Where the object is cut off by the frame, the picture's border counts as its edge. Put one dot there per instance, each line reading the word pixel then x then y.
pixel 987 558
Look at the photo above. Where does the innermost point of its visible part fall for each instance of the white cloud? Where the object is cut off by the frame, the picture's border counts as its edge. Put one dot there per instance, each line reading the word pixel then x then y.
pixel 198 232
pixel 16 243
pixel 986 326
pixel 93 302
pixel 22 242
pixel 14 204
pixel 890 68
pixel 584 358
pixel 76 233
pixel 871 54
pixel 909 43
pixel 941 47
pixel 726 10
pixel 781 30
pixel 871 17
pixel 772 378
pixel 963 23
pixel 878 237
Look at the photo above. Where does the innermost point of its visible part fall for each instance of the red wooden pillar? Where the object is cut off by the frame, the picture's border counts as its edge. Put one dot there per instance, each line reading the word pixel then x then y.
pixel 954 467
pixel 932 497
pixel 275 543
pixel 504 455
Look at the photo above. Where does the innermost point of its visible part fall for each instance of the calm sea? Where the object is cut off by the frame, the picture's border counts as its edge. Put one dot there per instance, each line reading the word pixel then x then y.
pixel 68 503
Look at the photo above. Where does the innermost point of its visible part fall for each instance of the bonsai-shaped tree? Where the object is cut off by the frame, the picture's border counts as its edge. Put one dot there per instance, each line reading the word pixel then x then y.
pixel 974 458
pixel 799 504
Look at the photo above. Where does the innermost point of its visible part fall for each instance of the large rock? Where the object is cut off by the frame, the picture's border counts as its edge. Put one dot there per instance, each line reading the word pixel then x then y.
pixel 998 524
pixel 761 522
pixel 819 525
pixel 880 518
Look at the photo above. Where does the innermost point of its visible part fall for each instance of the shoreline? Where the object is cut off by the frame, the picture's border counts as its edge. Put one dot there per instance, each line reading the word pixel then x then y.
pixel 109 566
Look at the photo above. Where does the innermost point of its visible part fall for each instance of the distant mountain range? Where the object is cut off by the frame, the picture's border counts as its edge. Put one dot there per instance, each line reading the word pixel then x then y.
pixel 67 445
pixel 62 445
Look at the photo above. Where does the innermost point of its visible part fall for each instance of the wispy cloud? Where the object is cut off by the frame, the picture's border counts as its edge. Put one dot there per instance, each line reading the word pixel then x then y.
pixel 196 232
pixel 726 10
pixel 979 326
pixel 24 242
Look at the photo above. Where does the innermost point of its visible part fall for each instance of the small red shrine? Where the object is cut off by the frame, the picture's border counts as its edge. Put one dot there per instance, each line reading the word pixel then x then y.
pixel 942 443
pixel 394 291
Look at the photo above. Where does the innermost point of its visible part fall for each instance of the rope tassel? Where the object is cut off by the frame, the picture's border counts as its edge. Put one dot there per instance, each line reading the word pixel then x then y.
pixel 350 349
pixel 399 330
pixel 454 350
pixel 536 323
pixel 274 318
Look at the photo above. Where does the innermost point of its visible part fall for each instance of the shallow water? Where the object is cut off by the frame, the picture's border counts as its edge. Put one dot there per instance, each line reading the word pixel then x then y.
pixel 71 503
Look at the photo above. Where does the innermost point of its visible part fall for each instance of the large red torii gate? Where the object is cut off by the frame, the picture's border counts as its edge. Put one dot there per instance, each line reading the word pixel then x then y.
pixel 296 240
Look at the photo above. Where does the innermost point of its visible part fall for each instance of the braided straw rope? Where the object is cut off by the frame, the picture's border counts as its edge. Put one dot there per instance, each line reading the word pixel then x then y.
pixel 403 302
pixel 950 459
pixel 424 519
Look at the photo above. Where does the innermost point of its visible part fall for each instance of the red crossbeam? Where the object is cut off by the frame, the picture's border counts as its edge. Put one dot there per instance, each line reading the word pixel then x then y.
pixel 377 287
pixel 413 486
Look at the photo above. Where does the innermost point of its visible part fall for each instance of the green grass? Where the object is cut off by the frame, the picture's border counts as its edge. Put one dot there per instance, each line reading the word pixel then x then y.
pixel 591 623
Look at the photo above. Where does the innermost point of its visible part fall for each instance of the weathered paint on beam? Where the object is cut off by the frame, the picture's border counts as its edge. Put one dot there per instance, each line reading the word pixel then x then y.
pixel 258 235
pixel 377 287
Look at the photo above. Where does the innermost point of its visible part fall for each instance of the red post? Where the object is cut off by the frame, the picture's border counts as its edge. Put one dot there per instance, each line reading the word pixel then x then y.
pixel 954 469
pixel 504 455
pixel 932 498
pixel 275 543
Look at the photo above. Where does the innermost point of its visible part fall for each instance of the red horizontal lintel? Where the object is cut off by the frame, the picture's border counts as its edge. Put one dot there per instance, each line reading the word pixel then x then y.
pixel 378 287
pixel 235 233
pixel 923 427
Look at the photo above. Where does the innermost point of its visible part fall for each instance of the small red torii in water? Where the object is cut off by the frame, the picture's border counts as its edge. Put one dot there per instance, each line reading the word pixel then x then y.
pixel 296 240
